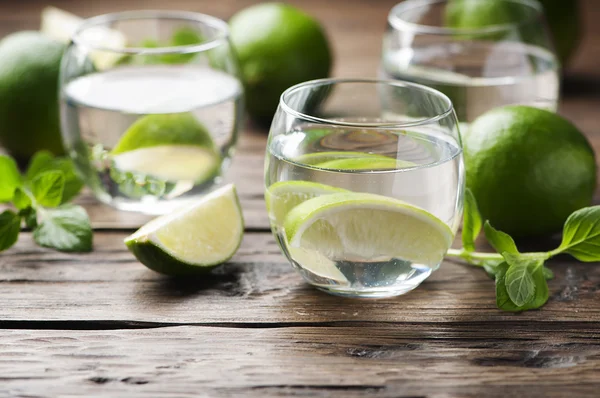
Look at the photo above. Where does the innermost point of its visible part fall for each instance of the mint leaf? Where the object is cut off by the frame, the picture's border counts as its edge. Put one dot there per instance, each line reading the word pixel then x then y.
pixel 44 161
pixel 30 216
pixel 581 235
pixel 519 281
pixel 548 274
pixel 47 188
pixel 20 199
pixel 499 240
pixel 66 228
pixel 503 278
pixel 10 178
pixel 503 300
pixel 10 226
pixel 471 222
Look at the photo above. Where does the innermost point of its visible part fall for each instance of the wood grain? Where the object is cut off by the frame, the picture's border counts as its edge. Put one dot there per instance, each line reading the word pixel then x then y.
pixel 258 286
pixel 383 361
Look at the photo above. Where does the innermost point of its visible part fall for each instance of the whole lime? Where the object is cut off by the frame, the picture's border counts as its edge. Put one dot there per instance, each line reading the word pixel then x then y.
pixel 529 169
pixel 29 118
pixel 278 46
pixel 562 17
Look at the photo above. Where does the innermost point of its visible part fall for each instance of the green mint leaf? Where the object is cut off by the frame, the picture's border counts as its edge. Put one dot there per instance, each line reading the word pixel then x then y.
pixel 499 240
pixel 30 216
pixel 519 282
pixel 44 161
pixel 503 300
pixel 542 292
pixel 471 222
pixel 581 235
pixel 10 226
pixel 10 178
pixel 48 187
pixel 20 199
pixel 548 274
pixel 65 228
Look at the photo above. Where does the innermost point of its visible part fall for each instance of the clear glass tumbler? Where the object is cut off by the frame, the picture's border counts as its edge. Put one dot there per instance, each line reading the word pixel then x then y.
pixel 151 103
pixel 364 182
pixel 480 53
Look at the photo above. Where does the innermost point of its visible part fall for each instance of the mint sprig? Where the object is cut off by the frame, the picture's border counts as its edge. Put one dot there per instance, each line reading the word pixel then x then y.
pixel 40 197
pixel 521 278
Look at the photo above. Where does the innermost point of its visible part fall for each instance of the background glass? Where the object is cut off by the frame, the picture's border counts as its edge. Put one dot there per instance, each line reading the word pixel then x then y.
pixel 413 126
pixel 150 106
pixel 479 69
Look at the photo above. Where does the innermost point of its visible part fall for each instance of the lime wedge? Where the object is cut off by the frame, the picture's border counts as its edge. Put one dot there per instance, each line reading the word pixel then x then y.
pixel 368 227
pixel 193 239
pixel 61 25
pixel 171 162
pixel 365 163
pixel 318 264
pixel 164 129
pixel 283 196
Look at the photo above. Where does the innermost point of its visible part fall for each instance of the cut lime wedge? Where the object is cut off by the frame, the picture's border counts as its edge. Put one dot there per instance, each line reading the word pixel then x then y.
pixel 367 227
pixel 171 162
pixel 318 264
pixel 283 196
pixel 61 25
pixel 193 239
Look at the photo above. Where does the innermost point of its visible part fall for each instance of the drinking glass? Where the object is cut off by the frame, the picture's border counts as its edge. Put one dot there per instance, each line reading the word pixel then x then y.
pixel 478 68
pixel 364 182
pixel 151 103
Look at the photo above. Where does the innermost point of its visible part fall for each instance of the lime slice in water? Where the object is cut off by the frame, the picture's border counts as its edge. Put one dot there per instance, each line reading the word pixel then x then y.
pixel 164 129
pixel 171 162
pixel 193 239
pixel 366 163
pixel 368 227
pixel 283 196
pixel 316 158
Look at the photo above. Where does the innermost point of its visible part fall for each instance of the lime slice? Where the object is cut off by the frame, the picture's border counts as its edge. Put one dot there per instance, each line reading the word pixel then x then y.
pixel 316 158
pixel 283 196
pixel 366 163
pixel 318 264
pixel 171 162
pixel 61 25
pixel 164 129
pixel 368 227
pixel 193 239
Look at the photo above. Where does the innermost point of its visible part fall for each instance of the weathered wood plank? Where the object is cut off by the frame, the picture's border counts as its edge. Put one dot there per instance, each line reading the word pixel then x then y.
pixel 440 360
pixel 257 286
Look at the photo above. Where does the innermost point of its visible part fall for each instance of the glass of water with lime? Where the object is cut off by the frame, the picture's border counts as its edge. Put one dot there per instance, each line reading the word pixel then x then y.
pixel 151 104
pixel 364 183
pixel 480 53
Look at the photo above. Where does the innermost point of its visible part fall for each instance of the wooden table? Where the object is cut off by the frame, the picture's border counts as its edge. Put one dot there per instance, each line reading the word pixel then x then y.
pixel 101 324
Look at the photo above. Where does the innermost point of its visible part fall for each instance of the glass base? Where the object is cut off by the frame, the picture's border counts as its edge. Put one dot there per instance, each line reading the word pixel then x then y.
pixel 374 294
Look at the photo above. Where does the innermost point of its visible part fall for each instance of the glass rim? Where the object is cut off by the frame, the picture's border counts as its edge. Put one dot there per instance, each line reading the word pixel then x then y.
pixel 398 23
pixel 449 107
pixel 189 16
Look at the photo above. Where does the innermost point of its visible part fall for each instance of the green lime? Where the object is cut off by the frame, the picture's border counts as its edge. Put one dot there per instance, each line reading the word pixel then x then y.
pixel 562 17
pixel 193 239
pixel 278 46
pixel 565 25
pixel 29 120
pixel 529 169
pixel 368 226
pixel 283 196
pixel 164 129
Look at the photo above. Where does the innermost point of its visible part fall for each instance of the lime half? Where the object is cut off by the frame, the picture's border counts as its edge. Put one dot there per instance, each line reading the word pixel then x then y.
pixel 283 196
pixel 367 227
pixel 193 239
